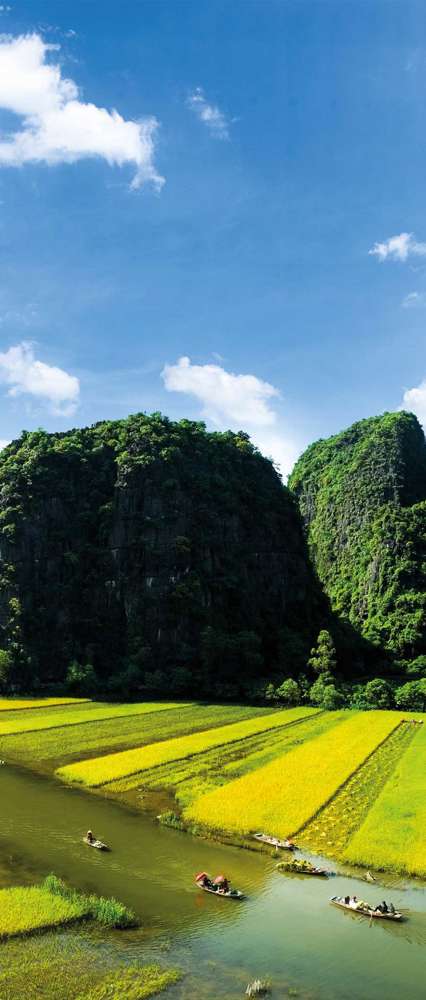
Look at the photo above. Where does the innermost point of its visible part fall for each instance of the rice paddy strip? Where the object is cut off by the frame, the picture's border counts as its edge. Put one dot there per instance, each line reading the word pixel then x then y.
pixel 212 768
pixel 282 796
pixel 393 835
pixel 19 704
pixel 101 770
pixel 55 720
pixel 49 748
pixel 26 910
pixel 332 828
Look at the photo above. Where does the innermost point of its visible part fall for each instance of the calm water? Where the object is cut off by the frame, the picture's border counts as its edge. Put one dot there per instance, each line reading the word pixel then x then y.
pixel 285 930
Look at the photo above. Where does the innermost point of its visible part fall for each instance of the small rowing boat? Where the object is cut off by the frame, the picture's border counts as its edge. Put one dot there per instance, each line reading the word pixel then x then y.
pixel 97 844
pixel 284 845
pixel 203 881
pixel 303 868
pixel 365 910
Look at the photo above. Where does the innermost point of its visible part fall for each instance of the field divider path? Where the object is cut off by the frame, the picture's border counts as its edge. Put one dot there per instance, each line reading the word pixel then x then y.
pixel 294 787
pixel 106 769
pixel 331 828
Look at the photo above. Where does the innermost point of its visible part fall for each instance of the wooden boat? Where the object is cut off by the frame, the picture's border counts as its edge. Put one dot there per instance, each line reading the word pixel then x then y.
pixel 302 868
pixel 283 845
pixel 230 894
pixel 366 911
pixel 97 844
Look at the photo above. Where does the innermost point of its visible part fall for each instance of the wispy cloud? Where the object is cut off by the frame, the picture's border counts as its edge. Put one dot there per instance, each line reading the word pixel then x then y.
pixel 237 402
pixel 210 114
pixel 25 375
pixel 3 443
pixel 414 300
pixel 57 127
pixel 398 248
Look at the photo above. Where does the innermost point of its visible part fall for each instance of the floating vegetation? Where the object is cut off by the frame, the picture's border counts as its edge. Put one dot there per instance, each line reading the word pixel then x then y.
pixel 258 988
pixel 134 983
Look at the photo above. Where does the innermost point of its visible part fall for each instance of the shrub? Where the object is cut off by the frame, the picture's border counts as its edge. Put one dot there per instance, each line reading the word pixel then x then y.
pixel 378 694
pixel 289 692
pixel 82 679
pixel 412 695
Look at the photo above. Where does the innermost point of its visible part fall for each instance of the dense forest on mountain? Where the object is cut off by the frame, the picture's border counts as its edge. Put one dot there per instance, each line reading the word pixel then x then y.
pixel 145 557
pixel 154 555
pixel 362 495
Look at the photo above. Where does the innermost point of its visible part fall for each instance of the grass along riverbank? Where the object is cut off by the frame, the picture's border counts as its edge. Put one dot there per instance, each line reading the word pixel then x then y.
pixel 28 909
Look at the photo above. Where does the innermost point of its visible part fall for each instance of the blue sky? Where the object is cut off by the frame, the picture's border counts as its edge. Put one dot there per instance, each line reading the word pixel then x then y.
pixel 262 150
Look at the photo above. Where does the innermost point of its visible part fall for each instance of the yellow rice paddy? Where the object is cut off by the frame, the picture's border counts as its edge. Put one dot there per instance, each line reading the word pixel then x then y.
pixel 282 796
pixel 101 770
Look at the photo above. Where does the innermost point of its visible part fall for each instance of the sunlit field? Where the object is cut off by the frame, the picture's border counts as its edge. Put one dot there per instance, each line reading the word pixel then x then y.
pixel 101 770
pixel 349 784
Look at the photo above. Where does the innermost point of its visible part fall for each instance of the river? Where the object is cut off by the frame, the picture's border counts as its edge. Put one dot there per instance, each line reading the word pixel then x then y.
pixel 285 929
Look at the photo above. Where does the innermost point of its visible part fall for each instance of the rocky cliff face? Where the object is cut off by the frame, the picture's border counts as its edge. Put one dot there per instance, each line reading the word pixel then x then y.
pixel 153 543
pixel 362 496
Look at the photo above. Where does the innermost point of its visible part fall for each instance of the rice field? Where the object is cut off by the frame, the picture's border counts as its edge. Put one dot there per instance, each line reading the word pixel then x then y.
pixel 393 834
pixel 32 722
pixel 101 770
pixel 46 749
pixel 18 704
pixel 336 823
pixel 294 786
pixel 215 767
pixel 350 784
pixel 30 909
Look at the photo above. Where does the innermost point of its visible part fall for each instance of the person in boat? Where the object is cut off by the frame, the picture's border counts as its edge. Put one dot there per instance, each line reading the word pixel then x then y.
pixel 382 907
pixel 347 900
pixel 89 837
pixel 392 908
pixel 223 886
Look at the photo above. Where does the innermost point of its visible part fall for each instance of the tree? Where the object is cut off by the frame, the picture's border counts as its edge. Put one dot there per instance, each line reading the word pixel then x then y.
pixel 5 670
pixel 417 668
pixel 81 679
pixel 378 694
pixel 332 698
pixel 289 692
pixel 270 693
pixel 412 695
pixel 323 657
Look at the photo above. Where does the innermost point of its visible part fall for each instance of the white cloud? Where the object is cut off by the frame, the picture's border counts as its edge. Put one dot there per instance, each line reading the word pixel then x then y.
pixel 414 300
pixel 415 401
pixel 20 370
pixel 209 114
pixel 235 401
pixel 398 248
pixel 58 127
pixel 3 442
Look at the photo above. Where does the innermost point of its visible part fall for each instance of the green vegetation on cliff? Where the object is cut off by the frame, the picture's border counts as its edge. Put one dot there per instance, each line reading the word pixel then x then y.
pixel 147 552
pixel 362 495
